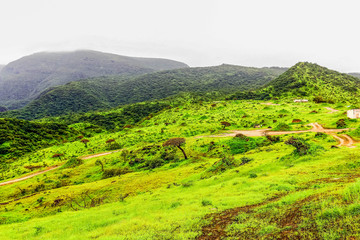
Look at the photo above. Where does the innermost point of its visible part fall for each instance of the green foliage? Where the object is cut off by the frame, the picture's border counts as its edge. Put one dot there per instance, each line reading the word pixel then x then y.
pixel 18 137
pixel 341 123
pixel 108 173
pixel 282 127
pixel 206 202
pixel 301 146
pixel 221 166
pixel 352 192
pixel 307 79
pixel 241 145
pixel 73 162
pixel 107 92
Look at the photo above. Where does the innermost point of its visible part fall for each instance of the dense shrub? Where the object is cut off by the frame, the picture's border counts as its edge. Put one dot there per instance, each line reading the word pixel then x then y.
pixel 18 137
pixel 301 147
pixel 108 173
pixel 73 162
pixel 241 145
pixel 282 127
pixel 341 123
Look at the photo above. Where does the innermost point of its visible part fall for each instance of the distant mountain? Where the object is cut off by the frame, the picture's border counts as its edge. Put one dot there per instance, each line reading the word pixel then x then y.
pixel 355 74
pixel 24 79
pixel 99 93
pixel 312 80
pixel 1 67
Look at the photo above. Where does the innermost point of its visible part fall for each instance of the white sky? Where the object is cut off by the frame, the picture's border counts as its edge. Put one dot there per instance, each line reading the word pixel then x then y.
pixel 197 32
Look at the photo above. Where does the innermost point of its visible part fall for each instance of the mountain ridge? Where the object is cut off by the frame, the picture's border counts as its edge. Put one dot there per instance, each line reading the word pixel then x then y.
pixel 24 79
pixel 107 92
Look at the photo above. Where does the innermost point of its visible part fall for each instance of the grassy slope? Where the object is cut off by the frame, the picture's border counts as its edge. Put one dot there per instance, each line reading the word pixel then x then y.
pixel 170 202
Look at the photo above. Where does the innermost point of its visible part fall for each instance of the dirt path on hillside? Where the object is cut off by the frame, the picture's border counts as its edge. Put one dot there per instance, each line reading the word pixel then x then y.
pixel 344 140
pixel 332 110
pixel 53 168
pixel 98 155
pixel 270 104
pixel 29 176
pixel 316 127
pixel 216 230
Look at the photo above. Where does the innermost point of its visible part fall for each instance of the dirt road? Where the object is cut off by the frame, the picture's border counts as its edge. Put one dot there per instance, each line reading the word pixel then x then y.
pixel 331 110
pixel 29 176
pixel 98 155
pixel 53 168
pixel 344 140
pixel 316 127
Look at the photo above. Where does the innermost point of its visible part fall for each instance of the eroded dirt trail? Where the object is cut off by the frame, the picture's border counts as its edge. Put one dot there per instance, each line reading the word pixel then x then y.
pixel 29 176
pixel 316 127
pixel 216 230
pixel 344 139
pixel 53 168
pixel 332 110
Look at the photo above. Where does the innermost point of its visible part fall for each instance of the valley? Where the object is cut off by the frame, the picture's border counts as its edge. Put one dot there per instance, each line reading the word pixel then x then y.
pixel 229 186
pixel 246 163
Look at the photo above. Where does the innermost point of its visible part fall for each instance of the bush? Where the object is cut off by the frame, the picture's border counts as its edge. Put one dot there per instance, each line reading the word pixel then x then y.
pixel 241 145
pixel 154 163
pixel 320 135
pixel 245 160
pixel 301 147
pixel 108 173
pixel 113 146
pixel 206 202
pixel 341 123
pixel 73 162
pixel 221 166
pixel 253 175
pixel 319 99
pixel 282 127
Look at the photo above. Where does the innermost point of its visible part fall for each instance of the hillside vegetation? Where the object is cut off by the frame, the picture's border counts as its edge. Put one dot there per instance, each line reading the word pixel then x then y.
pixel 104 93
pixel 312 80
pixel 190 166
pixel 24 79
pixel 19 136
pixel 295 186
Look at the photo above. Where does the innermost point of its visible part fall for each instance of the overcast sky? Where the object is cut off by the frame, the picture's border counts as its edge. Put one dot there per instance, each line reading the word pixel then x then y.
pixel 197 32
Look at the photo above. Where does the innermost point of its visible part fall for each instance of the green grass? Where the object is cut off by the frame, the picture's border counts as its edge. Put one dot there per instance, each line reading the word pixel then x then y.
pixel 170 199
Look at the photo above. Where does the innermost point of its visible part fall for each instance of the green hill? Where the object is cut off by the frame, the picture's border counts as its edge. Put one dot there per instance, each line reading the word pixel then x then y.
pixel 311 80
pixel 24 79
pixel 295 186
pixel 101 93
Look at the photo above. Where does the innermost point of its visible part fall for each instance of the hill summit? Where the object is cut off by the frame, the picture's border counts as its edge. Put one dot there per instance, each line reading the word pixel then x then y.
pixel 311 80
pixel 25 78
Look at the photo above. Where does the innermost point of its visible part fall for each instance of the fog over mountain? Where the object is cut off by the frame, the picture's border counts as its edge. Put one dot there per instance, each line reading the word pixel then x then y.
pixel 24 79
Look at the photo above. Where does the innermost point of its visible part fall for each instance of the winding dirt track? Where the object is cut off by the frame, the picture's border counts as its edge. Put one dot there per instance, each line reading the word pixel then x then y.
pixel 29 176
pixel 261 132
pixel 331 110
pixel 344 140
pixel 53 168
